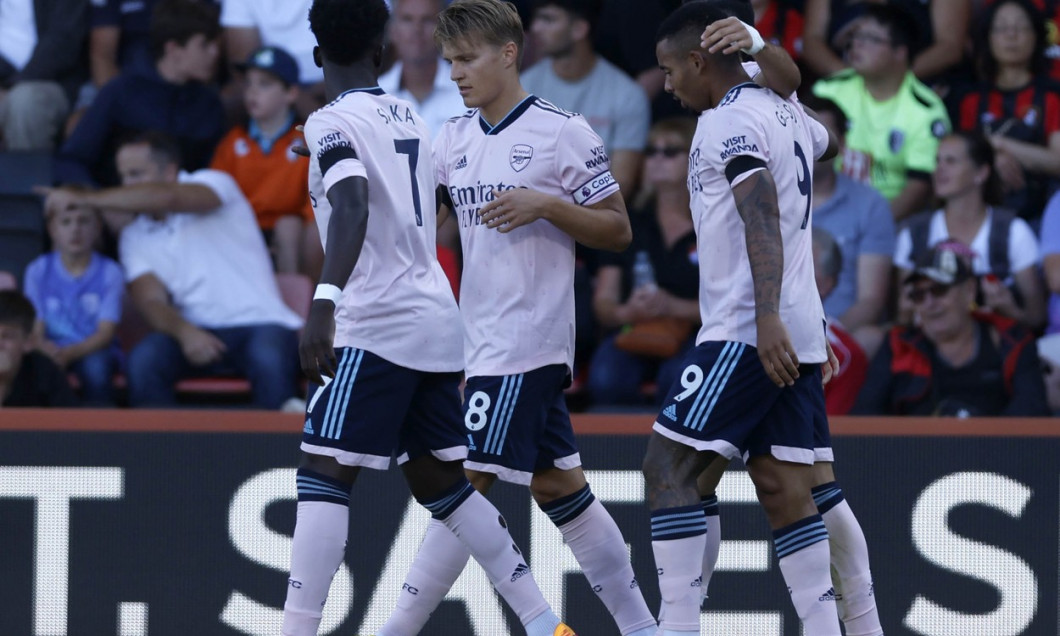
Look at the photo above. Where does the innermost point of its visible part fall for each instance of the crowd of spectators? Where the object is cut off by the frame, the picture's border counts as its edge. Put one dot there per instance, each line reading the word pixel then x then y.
pixel 179 195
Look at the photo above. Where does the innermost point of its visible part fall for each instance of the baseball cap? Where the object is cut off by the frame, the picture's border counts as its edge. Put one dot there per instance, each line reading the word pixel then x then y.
pixel 274 60
pixel 947 263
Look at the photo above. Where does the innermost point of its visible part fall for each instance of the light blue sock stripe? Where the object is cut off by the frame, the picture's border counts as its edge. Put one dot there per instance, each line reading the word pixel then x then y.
pixel 662 525
pixel 735 359
pixel 501 397
pixel 340 374
pixel 808 529
pixel 815 532
pixel 724 367
pixel 708 384
pixel 820 497
pixel 677 515
pixel 800 545
pixel 307 483
pixel 560 511
pixel 323 491
pixel 443 504
pixel 341 420
pixel 688 530
pixel 511 411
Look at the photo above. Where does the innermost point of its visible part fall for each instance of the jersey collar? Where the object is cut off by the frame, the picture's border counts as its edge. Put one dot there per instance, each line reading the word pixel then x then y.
pixel 508 119
pixel 374 90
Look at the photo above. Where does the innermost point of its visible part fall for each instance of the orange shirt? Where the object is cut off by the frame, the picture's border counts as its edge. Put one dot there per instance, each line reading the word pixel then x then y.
pixel 276 183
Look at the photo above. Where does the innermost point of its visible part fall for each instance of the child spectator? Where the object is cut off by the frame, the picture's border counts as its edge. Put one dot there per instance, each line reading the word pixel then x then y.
pixel 258 155
pixel 77 295
pixel 27 377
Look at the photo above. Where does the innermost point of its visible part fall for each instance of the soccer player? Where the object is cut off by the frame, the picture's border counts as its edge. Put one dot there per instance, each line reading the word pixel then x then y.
pixel 382 340
pixel 525 180
pixel 753 383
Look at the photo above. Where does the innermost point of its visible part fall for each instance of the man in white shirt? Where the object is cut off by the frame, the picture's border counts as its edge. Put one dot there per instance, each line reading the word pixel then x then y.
pixel 419 75
pixel 199 272
pixel 525 180
pixel 382 340
pixel 752 386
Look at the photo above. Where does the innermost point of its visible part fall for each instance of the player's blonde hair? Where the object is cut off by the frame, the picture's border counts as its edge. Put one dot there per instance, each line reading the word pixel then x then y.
pixel 493 21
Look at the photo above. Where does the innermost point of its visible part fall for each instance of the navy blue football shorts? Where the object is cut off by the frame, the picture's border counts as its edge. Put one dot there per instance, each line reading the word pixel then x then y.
pixel 723 401
pixel 518 424
pixel 374 409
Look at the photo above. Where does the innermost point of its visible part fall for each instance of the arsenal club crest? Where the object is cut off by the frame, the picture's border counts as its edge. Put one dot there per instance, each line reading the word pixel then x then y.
pixel 519 156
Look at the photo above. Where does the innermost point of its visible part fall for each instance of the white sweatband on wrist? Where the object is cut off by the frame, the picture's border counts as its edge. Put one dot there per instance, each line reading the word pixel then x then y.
pixel 327 292
pixel 757 43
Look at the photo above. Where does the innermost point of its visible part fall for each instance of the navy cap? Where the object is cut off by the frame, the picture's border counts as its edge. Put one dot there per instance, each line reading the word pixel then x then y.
pixel 276 61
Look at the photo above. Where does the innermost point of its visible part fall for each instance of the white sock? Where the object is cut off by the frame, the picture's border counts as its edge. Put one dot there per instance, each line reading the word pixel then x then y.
pixel 678 540
pixel 320 534
pixel 598 545
pixel 710 554
pixel 802 548
pixel 850 560
pixel 482 529
pixel 438 564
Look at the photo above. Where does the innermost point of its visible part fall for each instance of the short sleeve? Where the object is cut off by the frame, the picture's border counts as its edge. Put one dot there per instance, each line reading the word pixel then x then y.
pixel 33 283
pixel 113 292
pixel 440 151
pixel 222 184
pixel 818 135
pixel 903 248
pixel 633 120
pixel 237 13
pixel 333 149
pixel 924 141
pixel 1023 249
pixel 582 163
pixel 740 150
pixel 131 253
pixel 1051 227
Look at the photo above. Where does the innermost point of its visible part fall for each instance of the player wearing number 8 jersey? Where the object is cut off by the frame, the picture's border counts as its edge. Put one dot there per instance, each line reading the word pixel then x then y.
pixel 381 345
pixel 752 385
pixel 524 180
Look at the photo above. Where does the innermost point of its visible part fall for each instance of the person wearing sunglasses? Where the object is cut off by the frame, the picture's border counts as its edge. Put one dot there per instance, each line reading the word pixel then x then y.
pixel 955 360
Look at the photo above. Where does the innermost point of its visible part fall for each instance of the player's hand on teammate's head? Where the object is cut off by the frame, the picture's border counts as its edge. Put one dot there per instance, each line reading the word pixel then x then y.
pixel 316 351
pixel 775 351
pixel 301 148
pixel 731 36
pixel 513 208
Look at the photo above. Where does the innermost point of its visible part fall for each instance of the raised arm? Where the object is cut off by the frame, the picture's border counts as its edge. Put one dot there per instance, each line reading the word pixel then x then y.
pixel 777 70
pixel 141 197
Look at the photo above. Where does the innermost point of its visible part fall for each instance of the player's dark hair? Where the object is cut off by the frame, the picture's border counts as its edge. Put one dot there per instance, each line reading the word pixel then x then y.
pixel 164 149
pixel 684 27
pixel 492 21
pixel 348 30
pixel 981 152
pixel 179 21
pixel 16 309
pixel 588 10
pixel 740 9
pixel 986 63
pixel 821 105
pixel 901 28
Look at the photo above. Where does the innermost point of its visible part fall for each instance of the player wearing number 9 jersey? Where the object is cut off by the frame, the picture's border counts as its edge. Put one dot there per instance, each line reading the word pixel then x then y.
pixel 752 385
pixel 381 345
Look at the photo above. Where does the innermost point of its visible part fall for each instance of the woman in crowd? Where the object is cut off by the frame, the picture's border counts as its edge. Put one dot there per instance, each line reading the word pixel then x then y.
pixel 1004 246
pixel 627 302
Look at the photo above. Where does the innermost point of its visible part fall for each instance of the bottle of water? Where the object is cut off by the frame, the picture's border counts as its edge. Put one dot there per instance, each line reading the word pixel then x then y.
pixel 643 272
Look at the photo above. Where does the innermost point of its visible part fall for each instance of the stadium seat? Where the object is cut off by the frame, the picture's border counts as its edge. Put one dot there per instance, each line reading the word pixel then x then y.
pixel 21 210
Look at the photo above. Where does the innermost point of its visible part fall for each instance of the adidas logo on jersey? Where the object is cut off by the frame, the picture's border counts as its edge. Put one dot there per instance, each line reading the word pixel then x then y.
pixel 462 163
pixel 830 595
pixel 308 429
pixel 521 570
pixel 671 412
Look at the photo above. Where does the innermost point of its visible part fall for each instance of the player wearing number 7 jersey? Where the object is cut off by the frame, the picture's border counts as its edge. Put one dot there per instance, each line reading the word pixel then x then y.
pixel 752 385
pixel 524 180
pixel 381 345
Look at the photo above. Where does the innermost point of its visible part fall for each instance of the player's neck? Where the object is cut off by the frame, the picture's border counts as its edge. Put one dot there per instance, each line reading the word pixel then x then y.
pixel 886 86
pixel 575 65
pixel 508 99
pixel 339 79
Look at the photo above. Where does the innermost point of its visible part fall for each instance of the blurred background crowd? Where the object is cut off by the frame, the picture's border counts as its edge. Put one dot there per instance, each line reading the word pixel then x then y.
pixel 157 242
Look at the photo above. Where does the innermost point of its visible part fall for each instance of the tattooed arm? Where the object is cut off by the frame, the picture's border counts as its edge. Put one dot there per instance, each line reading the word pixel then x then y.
pixel 756 200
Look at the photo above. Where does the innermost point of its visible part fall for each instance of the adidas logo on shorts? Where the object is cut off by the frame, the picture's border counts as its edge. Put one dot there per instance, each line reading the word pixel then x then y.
pixel 308 429
pixel 830 595
pixel 520 571
pixel 671 412
pixel 462 163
